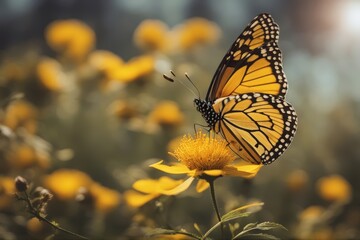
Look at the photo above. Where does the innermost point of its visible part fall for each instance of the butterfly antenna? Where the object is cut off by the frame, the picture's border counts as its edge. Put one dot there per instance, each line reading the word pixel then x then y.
pixel 171 79
pixel 192 83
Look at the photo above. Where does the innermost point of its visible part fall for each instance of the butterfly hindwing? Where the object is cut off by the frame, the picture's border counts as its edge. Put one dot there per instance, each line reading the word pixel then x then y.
pixel 261 29
pixel 258 127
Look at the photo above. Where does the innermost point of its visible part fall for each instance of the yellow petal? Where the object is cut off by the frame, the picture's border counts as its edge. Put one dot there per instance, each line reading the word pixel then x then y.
pixel 180 188
pixel 242 170
pixel 202 185
pixel 151 186
pixel 135 199
pixel 174 169
pixel 214 172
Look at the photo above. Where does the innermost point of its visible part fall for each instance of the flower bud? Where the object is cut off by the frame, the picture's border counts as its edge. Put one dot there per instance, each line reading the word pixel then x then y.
pixel 46 195
pixel 21 184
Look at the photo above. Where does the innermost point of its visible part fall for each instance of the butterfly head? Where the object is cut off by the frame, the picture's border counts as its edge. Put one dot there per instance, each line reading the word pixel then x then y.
pixel 207 111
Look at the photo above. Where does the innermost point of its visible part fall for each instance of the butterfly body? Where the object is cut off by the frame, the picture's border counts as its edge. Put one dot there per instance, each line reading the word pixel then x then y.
pixel 207 111
pixel 245 102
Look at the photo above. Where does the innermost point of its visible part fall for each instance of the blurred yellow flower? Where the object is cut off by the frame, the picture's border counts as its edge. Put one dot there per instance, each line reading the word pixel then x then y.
pixel 297 180
pixel 34 225
pixel 203 156
pixel 325 233
pixel 12 70
pixel 152 35
pixel 21 114
pixel 172 237
pixel 7 191
pixel 123 109
pixel 310 220
pixel 334 188
pixel 65 183
pixel 105 62
pixel 71 37
pixel 105 198
pixel 195 31
pixel 149 189
pixel 21 156
pixel 167 113
pixel 134 69
pixel 312 213
pixel 50 74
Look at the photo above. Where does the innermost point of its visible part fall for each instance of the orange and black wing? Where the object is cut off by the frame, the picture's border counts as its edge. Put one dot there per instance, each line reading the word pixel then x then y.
pixel 253 63
pixel 258 127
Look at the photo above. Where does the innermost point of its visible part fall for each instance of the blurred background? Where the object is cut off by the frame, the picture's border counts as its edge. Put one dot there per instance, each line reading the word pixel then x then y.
pixel 84 105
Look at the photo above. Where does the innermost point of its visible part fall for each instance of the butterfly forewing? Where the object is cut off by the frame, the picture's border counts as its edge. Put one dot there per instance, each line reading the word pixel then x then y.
pixel 262 29
pixel 260 72
pixel 258 127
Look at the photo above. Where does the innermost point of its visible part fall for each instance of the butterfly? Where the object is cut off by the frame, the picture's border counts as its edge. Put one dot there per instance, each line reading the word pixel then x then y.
pixel 245 102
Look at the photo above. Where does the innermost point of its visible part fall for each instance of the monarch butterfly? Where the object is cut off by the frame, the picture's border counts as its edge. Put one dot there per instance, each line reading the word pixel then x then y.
pixel 245 102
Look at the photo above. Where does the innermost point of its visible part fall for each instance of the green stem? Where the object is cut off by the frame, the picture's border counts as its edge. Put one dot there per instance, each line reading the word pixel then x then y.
pixel 36 214
pixel 213 197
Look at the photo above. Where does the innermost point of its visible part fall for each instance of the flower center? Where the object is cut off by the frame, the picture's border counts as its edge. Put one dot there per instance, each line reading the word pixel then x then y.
pixel 203 153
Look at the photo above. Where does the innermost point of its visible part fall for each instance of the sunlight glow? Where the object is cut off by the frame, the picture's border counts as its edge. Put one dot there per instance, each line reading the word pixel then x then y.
pixel 350 17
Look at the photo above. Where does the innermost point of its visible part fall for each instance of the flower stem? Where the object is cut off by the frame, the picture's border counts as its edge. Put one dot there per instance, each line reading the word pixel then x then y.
pixel 213 197
pixel 38 215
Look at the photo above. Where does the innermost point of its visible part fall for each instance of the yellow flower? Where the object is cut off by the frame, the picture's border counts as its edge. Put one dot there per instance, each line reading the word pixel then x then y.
pixel 65 183
pixel 71 37
pixel 196 31
pixel 152 35
pixel 166 113
pixel 297 180
pixel 312 213
pixel 13 70
pixel 334 188
pixel 324 233
pixel 50 74
pixel 106 199
pixel 172 237
pixel 105 62
pixel 202 156
pixel 123 109
pixel 21 114
pixel 7 190
pixel 34 225
pixel 23 156
pixel 134 69
pixel 149 189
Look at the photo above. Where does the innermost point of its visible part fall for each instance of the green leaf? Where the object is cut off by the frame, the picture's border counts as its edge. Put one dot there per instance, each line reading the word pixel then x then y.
pixel 249 226
pixel 258 236
pixel 269 225
pixel 160 231
pixel 243 211
pixel 197 227
pixel 264 226
pixel 218 224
